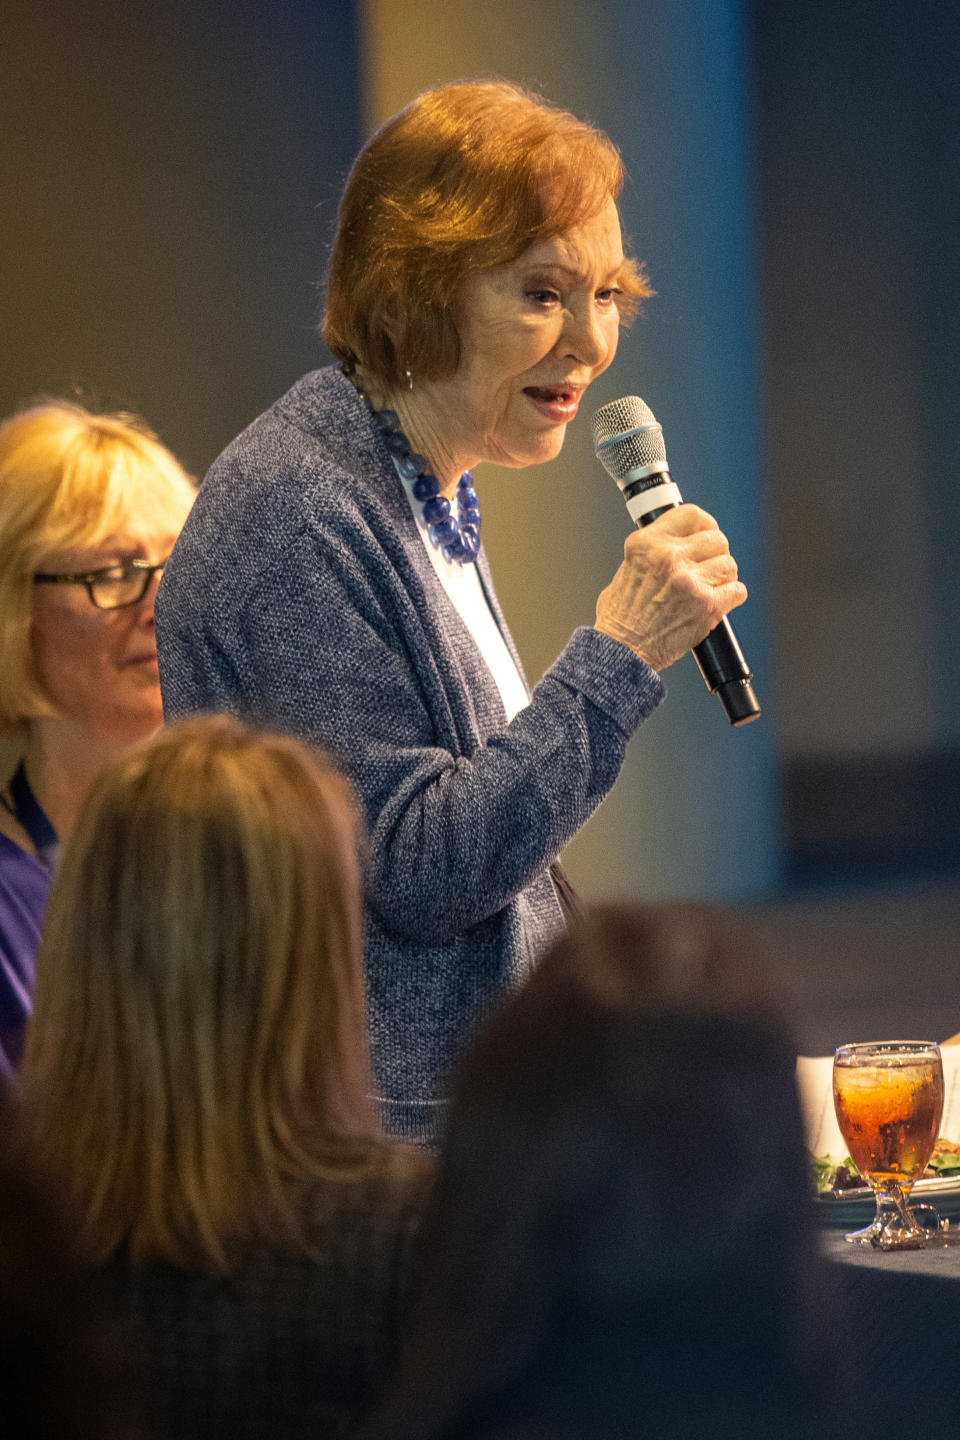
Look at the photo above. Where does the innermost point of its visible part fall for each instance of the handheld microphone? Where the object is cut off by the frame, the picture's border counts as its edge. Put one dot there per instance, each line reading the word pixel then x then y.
pixel 628 442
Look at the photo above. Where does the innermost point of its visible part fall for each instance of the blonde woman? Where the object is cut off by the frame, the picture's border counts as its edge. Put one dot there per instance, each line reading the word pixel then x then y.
pixel 196 1076
pixel 90 507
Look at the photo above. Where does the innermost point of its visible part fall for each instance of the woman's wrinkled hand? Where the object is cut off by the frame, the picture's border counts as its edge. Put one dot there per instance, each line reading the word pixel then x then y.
pixel 677 581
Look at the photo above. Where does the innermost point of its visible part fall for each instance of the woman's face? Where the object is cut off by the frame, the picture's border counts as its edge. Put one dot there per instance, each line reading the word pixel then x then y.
pixel 534 334
pixel 99 667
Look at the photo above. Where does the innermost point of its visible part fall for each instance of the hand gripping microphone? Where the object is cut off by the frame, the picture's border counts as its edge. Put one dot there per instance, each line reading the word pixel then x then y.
pixel 628 442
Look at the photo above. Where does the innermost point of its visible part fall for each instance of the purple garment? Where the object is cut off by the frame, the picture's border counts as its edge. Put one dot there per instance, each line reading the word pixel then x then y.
pixel 24 888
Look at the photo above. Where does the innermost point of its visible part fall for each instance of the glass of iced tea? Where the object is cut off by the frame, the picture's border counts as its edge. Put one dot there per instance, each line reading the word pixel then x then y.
pixel 888 1097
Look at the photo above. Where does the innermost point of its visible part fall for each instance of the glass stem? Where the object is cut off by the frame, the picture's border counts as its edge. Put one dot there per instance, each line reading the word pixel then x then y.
pixel 900 1200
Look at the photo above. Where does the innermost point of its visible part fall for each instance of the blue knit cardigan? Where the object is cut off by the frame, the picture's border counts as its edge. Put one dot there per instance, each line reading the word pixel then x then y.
pixel 300 596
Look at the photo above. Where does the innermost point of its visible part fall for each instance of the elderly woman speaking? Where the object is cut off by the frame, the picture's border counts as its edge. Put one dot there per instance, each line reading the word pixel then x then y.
pixel 331 580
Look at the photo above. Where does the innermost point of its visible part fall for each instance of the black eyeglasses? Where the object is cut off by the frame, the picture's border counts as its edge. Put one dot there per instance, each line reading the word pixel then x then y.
pixel 112 587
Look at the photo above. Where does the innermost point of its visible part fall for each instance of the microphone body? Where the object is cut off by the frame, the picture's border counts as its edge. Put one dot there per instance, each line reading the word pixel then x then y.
pixel 629 444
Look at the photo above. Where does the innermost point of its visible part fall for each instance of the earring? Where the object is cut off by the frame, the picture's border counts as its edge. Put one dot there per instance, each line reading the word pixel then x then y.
pixel 409 379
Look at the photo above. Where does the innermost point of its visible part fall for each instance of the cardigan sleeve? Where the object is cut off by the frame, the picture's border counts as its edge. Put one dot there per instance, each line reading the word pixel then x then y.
pixel 453 836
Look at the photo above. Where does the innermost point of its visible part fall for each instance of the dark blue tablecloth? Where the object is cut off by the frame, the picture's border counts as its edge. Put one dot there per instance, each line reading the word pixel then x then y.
pixel 941 1261
pixel 899 1314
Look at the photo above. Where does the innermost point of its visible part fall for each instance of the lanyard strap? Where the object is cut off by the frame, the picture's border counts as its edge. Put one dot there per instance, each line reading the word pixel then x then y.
pixel 31 815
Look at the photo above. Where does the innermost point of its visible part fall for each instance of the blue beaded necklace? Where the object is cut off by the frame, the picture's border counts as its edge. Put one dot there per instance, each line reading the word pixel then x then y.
pixel 456 536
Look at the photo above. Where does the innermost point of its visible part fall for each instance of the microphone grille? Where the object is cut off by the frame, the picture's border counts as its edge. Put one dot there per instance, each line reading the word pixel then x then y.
pixel 626 437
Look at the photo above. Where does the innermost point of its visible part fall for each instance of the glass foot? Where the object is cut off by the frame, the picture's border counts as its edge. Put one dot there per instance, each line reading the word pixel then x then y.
pixel 869 1235
pixel 900 1228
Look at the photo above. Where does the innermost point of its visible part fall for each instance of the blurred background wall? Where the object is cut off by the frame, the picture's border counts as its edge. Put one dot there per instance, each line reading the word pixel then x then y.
pixel 169 186
pixel 170 176
pixel 858 171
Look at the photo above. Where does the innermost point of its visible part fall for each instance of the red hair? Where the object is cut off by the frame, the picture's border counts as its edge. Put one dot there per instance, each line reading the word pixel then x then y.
pixel 465 178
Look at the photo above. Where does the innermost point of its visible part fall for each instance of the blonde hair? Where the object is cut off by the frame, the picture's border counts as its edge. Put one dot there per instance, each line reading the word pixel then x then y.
pixel 464 178
pixel 198 1038
pixel 67 478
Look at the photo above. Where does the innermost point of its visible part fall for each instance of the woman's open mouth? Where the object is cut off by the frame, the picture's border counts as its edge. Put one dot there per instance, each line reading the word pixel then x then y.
pixel 556 402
